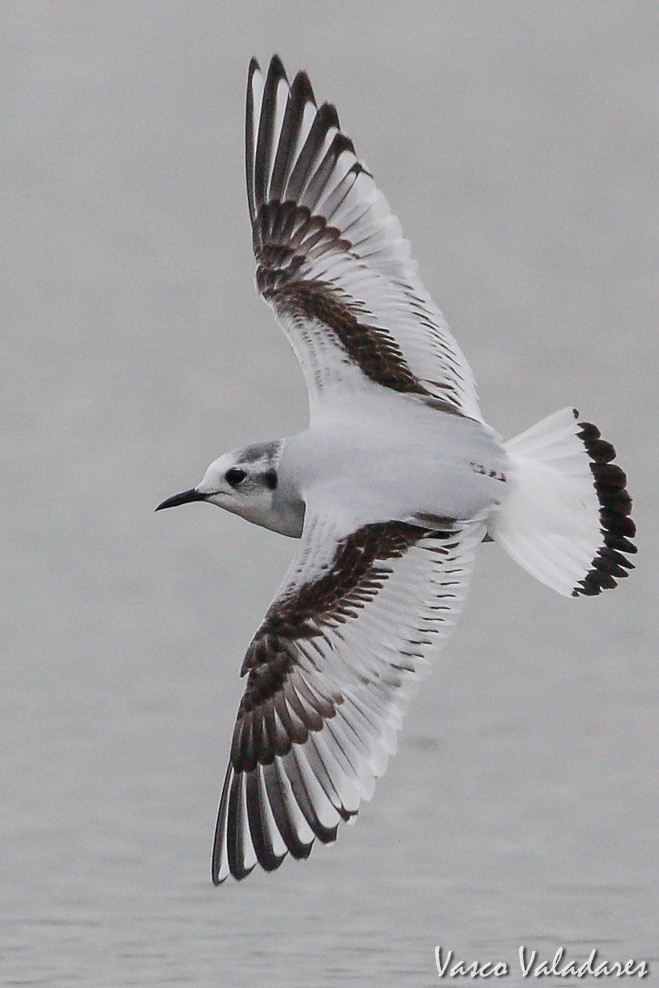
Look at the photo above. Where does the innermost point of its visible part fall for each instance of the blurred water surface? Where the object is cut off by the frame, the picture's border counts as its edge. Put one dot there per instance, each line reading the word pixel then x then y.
pixel 517 143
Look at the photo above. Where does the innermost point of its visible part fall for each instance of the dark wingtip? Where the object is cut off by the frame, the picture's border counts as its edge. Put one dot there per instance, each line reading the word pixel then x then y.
pixel 609 564
pixel 276 67
pixel 239 872
pixel 303 89
pixel 342 143
pixel 276 72
pixel 329 116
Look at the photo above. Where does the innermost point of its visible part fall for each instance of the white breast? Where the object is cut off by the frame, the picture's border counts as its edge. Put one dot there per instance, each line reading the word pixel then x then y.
pixel 386 455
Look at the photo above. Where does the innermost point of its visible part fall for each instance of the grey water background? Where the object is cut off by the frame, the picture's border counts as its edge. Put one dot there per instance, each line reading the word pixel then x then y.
pixel 517 142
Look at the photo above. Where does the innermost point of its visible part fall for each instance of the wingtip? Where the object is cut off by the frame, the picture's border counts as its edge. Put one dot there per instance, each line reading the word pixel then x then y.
pixel 216 866
pixel 328 113
pixel 342 143
pixel 276 68
pixel 303 89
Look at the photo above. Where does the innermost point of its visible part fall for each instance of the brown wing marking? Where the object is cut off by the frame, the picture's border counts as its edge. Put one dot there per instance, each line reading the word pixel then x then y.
pixel 286 182
pixel 274 713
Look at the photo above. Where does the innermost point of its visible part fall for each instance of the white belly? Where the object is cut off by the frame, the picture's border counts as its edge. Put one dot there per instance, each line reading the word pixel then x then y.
pixel 388 456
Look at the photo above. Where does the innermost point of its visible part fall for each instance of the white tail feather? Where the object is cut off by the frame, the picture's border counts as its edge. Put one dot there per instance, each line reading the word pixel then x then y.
pixel 565 515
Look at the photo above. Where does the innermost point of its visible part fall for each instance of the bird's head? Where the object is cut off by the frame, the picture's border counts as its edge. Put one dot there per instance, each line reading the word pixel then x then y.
pixel 242 481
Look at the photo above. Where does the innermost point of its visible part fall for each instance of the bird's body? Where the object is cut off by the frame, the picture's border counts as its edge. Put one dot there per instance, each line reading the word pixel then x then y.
pixel 383 455
pixel 391 490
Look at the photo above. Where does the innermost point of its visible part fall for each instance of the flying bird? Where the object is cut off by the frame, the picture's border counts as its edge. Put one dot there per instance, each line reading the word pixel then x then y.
pixel 391 490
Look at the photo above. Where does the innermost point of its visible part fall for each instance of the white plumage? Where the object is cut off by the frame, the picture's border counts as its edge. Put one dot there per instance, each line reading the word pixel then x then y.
pixel 391 490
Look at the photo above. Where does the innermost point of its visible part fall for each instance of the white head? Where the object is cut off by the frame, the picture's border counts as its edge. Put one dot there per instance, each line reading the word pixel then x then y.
pixel 245 482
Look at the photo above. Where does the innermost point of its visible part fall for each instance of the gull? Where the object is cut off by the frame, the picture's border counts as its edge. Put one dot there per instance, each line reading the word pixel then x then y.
pixel 391 490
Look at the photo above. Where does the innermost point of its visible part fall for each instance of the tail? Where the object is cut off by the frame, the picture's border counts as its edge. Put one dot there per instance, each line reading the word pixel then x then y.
pixel 565 518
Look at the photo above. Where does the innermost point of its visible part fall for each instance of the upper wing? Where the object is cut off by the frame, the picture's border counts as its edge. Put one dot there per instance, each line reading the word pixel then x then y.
pixel 329 673
pixel 331 257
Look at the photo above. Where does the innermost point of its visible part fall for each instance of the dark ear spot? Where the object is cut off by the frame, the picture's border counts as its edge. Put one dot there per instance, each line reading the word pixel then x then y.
pixel 271 479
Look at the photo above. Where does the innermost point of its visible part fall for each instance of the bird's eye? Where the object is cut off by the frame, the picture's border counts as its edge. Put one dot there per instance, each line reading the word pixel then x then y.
pixel 235 476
